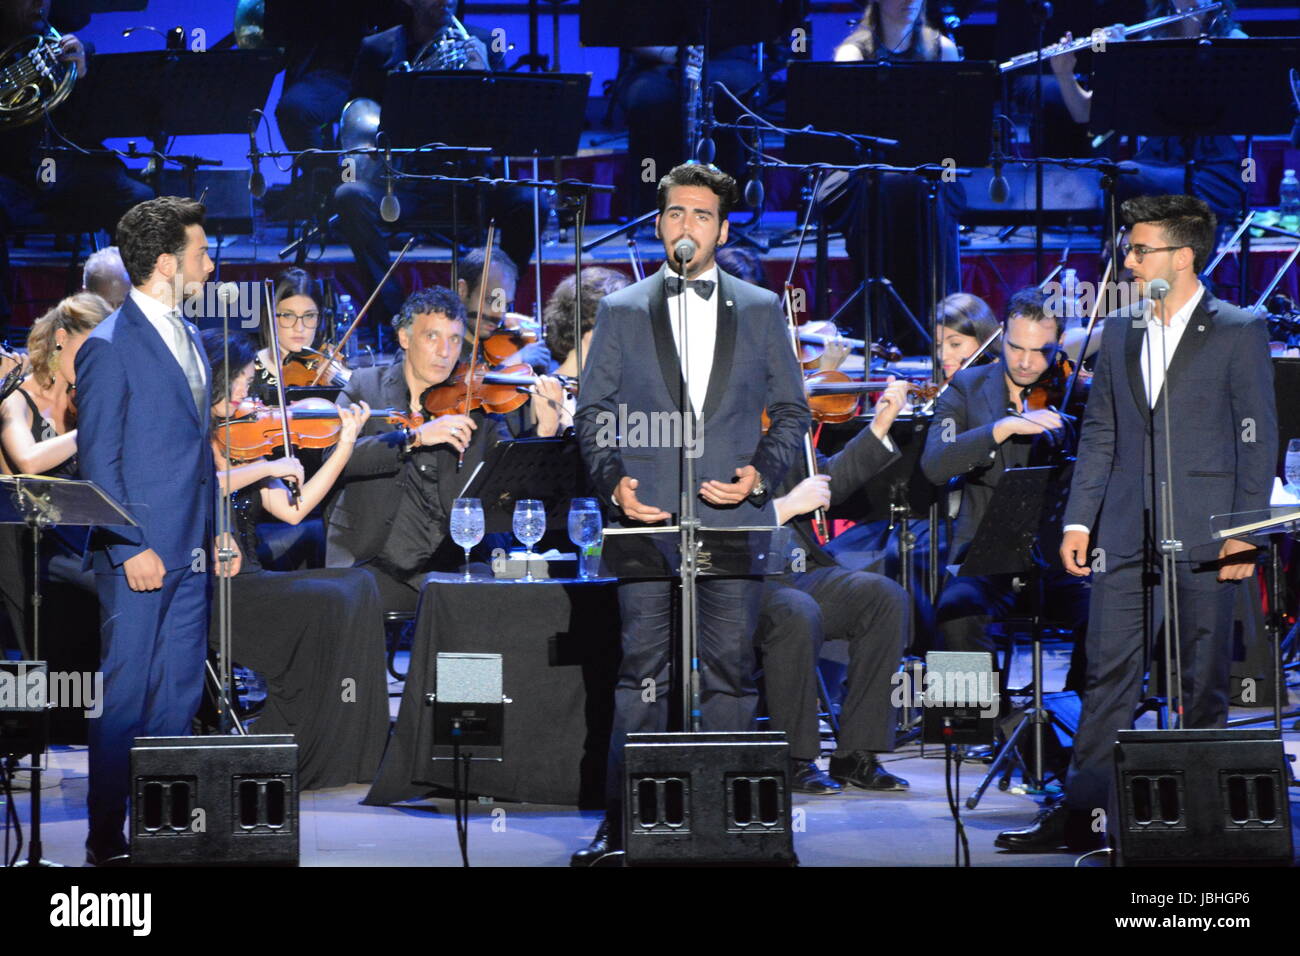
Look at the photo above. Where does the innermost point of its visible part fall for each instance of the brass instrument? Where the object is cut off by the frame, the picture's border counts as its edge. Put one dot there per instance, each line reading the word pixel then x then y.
pixel 33 79
pixel 1082 43
pixel 450 49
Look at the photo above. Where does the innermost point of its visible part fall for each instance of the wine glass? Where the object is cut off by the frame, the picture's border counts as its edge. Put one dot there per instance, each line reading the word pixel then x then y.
pixel 584 530
pixel 1291 468
pixel 529 526
pixel 467 525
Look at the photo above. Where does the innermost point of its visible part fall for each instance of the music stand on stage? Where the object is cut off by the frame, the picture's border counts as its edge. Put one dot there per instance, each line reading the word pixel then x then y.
pixel 549 470
pixel 40 502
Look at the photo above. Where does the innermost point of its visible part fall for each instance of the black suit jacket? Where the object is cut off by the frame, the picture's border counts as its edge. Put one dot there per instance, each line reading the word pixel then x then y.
pixel 633 368
pixel 1223 431
pixel 374 481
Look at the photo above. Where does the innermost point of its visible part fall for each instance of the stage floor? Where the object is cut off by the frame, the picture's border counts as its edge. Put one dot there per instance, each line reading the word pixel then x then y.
pixel 855 828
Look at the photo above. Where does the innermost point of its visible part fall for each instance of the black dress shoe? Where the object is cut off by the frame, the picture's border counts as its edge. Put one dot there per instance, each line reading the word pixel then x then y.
pixel 810 778
pixel 109 858
pixel 1055 828
pixel 607 842
pixel 861 769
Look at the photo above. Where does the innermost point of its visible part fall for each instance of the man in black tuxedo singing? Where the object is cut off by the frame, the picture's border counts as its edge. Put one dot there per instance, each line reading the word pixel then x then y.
pixel 738 362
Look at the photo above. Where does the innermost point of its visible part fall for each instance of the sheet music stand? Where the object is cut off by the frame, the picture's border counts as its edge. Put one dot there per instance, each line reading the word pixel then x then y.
pixel 1005 543
pixel 39 502
pixel 671 22
pixel 549 470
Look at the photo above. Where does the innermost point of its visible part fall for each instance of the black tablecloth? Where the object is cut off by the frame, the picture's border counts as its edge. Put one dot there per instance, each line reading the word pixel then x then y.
pixel 560 643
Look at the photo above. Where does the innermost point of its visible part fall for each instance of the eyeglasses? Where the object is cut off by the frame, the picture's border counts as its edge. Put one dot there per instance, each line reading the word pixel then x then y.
pixel 1140 252
pixel 288 320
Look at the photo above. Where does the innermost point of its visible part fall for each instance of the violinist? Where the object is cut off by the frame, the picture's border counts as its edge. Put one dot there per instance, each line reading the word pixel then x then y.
pixel 297 316
pixel 497 298
pixel 966 322
pixel 827 601
pixel 983 426
pixel 304 632
pixel 390 515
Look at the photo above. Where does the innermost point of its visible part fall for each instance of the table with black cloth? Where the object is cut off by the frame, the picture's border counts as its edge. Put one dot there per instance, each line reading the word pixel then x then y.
pixel 559 640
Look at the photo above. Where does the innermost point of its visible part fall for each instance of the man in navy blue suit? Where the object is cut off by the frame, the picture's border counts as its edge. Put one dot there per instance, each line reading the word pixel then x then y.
pixel 1182 397
pixel 144 437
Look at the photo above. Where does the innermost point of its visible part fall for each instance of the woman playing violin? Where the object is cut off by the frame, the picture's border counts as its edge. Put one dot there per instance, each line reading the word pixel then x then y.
pixel 307 633
pixel 966 323
pixel 297 317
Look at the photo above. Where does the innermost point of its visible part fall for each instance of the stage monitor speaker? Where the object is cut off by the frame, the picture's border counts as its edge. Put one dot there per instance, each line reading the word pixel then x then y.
pixel 961 696
pixel 468 706
pixel 1210 797
pixel 708 799
pixel 24 699
pixel 214 800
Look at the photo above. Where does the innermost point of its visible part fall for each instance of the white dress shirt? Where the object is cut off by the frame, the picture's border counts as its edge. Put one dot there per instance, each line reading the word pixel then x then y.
pixel 156 313
pixel 1158 347
pixel 701 335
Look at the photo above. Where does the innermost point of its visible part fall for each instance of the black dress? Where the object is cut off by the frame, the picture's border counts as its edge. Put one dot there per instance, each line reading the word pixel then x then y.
pixel 317 638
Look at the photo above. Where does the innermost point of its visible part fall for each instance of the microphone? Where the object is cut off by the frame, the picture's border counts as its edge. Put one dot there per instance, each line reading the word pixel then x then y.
pixel 1157 289
pixel 705 149
pixel 256 181
pixel 999 188
pixel 685 250
pixel 389 207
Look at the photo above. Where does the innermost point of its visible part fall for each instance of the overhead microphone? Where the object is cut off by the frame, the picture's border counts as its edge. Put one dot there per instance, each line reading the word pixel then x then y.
pixel 389 207
pixel 685 250
pixel 999 188
pixel 256 181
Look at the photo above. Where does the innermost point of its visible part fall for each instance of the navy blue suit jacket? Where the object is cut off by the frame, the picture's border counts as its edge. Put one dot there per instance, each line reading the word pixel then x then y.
pixel 1223 431
pixel 140 438
pixel 634 368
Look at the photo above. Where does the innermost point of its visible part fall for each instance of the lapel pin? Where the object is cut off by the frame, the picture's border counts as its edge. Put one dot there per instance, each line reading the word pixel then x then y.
pixel 1200 328
pixel 729 303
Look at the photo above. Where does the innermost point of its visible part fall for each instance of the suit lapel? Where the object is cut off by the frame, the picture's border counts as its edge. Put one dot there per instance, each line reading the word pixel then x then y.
pixel 160 355
pixel 1133 337
pixel 994 392
pixel 724 345
pixel 1199 325
pixel 665 348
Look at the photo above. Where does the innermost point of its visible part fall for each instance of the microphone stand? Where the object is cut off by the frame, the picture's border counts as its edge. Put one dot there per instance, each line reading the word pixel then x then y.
pixel 688 524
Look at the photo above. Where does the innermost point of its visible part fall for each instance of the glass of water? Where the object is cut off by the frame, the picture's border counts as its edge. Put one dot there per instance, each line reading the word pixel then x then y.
pixel 584 530
pixel 467 525
pixel 1291 469
pixel 529 526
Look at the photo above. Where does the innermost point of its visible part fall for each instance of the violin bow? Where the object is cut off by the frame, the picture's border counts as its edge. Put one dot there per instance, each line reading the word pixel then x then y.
pixel 294 492
pixel 484 278
pixel 1092 321
pixel 810 454
pixel 338 349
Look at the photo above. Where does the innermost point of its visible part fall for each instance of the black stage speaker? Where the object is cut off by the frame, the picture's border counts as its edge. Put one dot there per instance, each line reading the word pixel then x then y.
pixel 1202 797
pixel 214 800
pixel 708 799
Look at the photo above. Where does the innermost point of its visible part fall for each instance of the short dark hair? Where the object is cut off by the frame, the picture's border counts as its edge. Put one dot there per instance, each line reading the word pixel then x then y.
pixel 742 263
pixel 597 282
pixel 1186 220
pixel 431 299
pixel 470 267
pixel 243 352
pixel 153 228
pixel 700 174
pixel 1031 303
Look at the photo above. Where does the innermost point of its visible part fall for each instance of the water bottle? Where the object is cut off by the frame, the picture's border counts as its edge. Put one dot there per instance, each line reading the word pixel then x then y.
pixel 344 314
pixel 551 225
pixel 1289 202
pixel 1070 298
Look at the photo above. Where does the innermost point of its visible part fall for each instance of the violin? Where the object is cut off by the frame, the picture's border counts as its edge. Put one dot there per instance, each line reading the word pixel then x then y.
pixel 311 367
pixel 506 341
pixel 1050 390
pixel 256 429
pixel 499 391
pixel 813 341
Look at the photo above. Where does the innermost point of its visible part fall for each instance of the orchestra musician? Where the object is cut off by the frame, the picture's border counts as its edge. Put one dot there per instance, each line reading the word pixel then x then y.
pixel 104 275
pixel 1192 382
pixel 500 295
pixel 982 426
pixel 740 362
pixel 826 601
pixel 307 633
pixel 143 437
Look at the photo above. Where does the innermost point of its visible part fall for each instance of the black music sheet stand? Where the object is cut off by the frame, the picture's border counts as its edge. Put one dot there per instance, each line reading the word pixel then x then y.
pixel 549 470
pixel 1006 542
pixel 1197 87
pixel 40 502
pixel 670 22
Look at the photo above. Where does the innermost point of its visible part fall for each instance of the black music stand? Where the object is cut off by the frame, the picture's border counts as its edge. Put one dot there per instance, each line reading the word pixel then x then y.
pixel 1197 87
pixel 549 470
pixel 40 502
pixel 670 22
pixel 1008 541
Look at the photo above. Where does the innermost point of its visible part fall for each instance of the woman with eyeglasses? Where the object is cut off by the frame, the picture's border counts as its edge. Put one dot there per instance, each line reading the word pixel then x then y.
pixel 297 318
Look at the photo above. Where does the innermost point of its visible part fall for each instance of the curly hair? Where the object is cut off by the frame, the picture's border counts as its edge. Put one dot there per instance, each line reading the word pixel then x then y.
pixel 700 174
pixel 76 315
pixel 597 282
pixel 155 228
pixel 431 299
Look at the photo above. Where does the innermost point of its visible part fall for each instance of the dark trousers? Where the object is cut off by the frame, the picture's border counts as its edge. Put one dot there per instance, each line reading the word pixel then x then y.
pixel 802 611
pixel 359 221
pixel 152 648
pixel 309 104
pixel 395 593
pixel 728 614
pixel 1116 646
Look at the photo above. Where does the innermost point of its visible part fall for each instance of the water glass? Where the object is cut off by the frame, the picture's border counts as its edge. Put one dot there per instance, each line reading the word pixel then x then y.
pixel 584 530
pixel 1291 468
pixel 529 526
pixel 467 525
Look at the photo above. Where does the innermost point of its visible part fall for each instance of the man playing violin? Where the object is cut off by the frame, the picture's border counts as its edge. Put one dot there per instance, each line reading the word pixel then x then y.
pixel 983 426
pixel 391 515
pixel 497 298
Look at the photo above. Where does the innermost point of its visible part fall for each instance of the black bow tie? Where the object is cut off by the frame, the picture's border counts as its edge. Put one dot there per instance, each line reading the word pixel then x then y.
pixel 701 287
